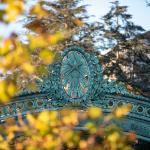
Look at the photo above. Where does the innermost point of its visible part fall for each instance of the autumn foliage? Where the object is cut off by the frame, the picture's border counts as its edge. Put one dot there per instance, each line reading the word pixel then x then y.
pixel 66 129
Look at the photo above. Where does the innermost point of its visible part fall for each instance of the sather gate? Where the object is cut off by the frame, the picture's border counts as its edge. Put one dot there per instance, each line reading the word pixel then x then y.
pixel 77 81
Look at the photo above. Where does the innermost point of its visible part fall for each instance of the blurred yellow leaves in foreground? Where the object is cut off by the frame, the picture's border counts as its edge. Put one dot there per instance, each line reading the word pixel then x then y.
pixel 6 46
pixel 59 130
pixel 7 89
pixel 122 110
pixel 94 113
pixel 21 62
pixel 47 56
pixel 18 59
pixel 28 68
pixel 13 9
pixel 39 11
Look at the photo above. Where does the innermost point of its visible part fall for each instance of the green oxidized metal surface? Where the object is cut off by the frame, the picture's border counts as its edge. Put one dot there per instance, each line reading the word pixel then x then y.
pixel 77 81
pixel 75 74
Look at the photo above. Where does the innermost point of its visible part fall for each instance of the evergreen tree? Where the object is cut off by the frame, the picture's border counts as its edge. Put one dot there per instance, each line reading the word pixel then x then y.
pixel 67 15
pixel 128 57
pixel 147 2
pixel 118 27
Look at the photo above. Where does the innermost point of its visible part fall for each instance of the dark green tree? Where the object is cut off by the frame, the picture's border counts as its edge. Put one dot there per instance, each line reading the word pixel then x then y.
pixel 128 57
pixel 147 2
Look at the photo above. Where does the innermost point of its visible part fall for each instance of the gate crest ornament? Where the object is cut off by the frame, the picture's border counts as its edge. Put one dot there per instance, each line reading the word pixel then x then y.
pixel 75 75
pixel 77 81
pixel 77 78
pixel 79 73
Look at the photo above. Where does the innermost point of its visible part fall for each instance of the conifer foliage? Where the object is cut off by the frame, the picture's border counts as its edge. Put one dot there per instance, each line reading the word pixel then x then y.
pixel 128 57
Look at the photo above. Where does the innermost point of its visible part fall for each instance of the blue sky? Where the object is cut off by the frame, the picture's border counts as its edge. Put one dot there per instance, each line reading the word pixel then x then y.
pixel 138 8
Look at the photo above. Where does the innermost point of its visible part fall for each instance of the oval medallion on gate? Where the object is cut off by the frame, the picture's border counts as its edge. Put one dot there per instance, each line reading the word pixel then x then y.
pixel 75 74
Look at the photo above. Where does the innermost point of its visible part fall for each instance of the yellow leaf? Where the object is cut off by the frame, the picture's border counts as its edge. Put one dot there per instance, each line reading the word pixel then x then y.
pixel 39 11
pixel 13 128
pixel 78 22
pixel 37 41
pixel 28 68
pixel 54 39
pixel 47 56
pixel 6 45
pixel 94 112
pixel 19 146
pixel 31 119
pixel 122 110
pixel 44 117
pixel 83 144
pixel 3 95
pixel 91 126
pixel 114 137
pixel 42 127
pixel 71 118
pixel 68 136
pixel 42 70
pixel 11 89
pixel 14 8
pixel 53 115
pixel 10 136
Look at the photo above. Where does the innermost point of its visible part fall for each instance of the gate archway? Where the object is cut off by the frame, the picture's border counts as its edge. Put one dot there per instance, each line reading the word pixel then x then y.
pixel 78 81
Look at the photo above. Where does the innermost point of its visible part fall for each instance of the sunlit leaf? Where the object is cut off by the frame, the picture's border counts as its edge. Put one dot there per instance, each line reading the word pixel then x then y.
pixel 47 56
pixel 14 8
pixel 39 11
pixel 42 127
pixel 31 119
pixel 53 115
pixel 114 137
pixel 11 89
pixel 91 126
pixel 44 117
pixel 94 112
pixel 78 22
pixel 83 144
pixel 6 46
pixel 28 68
pixel 122 111
pixel 71 118
pixel 37 41
pixel 3 95
pixel 54 39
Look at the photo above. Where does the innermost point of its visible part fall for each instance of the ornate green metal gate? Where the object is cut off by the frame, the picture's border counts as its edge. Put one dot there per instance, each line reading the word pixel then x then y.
pixel 78 81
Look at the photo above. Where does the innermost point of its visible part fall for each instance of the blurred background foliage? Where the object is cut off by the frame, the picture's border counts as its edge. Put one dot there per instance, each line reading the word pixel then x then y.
pixel 53 26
